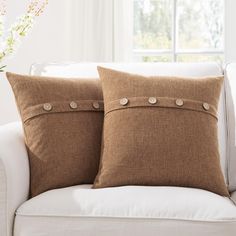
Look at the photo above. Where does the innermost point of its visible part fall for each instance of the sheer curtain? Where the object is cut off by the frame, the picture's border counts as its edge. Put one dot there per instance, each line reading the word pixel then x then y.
pixel 101 30
pixel 230 31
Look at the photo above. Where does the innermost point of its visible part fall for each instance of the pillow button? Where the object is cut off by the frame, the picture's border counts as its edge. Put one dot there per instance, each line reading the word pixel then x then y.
pixel 73 105
pixel 179 102
pixel 124 101
pixel 206 106
pixel 152 100
pixel 47 107
pixel 96 105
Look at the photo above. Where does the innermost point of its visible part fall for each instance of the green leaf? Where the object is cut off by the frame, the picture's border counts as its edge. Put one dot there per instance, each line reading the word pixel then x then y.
pixel 2 68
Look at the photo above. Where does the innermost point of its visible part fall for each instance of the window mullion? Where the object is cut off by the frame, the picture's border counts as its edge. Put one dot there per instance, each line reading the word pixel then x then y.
pixel 174 30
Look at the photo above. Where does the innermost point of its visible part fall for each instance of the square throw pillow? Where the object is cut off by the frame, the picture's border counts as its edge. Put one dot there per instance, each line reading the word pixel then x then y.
pixel 62 120
pixel 160 131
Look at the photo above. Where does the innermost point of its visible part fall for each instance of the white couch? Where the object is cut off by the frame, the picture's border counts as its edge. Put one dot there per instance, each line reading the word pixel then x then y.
pixel 123 211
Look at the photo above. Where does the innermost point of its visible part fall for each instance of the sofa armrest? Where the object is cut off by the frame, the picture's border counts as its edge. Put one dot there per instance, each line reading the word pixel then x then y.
pixel 14 174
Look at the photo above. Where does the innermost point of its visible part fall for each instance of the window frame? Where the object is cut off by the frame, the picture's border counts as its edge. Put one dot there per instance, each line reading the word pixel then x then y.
pixel 174 52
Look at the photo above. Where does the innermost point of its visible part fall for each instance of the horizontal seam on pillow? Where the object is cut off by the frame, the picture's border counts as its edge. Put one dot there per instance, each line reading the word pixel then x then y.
pixel 64 112
pixel 177 108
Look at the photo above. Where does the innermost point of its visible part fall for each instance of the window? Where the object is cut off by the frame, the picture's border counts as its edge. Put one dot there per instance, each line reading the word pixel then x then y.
pixel 178 30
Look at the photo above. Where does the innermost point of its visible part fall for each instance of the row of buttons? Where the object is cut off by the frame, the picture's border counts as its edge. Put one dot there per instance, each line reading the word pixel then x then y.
pixel 123 101
pixel 152 100
pixel 73 105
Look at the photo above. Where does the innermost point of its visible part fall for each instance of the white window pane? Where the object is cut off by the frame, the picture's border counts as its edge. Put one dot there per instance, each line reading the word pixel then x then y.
pixel 159 58
pixel 200 24
pixel 153 24
pixel 200 58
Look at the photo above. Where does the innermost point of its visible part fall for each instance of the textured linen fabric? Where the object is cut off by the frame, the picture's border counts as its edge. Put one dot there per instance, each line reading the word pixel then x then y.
pixel 193 70
pixel 62 129
pixel 162 143
pixel 144 210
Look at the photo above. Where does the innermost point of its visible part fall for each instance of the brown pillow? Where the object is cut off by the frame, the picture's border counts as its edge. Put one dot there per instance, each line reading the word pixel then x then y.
pixel 63 121
pixel 160 131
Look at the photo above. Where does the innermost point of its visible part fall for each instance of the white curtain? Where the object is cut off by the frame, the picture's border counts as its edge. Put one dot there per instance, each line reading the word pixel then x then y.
pixel 101 30
pixel 230 31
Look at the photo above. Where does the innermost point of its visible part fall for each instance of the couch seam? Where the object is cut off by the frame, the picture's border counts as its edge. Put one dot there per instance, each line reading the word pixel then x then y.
pixel 129 218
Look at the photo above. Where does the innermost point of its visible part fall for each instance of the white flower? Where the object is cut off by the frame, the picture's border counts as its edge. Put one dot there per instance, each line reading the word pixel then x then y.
pixel 19 29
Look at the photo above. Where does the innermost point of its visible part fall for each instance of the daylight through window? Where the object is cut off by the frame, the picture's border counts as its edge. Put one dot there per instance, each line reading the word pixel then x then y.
pixel 178 30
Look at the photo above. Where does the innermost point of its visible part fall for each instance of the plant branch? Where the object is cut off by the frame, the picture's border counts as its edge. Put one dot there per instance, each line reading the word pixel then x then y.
pixel 2 68
pixel 19 29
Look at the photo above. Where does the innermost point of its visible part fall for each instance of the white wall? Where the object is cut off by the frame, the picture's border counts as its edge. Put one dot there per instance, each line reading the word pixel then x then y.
pixel 49 40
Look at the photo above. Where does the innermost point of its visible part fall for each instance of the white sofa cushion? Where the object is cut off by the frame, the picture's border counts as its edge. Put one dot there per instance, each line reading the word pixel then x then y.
pixel 131 202
pixel 80 210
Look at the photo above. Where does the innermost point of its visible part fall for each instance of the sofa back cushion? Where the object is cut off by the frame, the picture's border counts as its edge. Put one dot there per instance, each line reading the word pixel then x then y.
pixel 62 120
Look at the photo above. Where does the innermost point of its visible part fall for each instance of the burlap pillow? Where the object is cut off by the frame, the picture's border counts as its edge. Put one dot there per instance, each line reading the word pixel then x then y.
pixel 160 131
pixel 62 120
